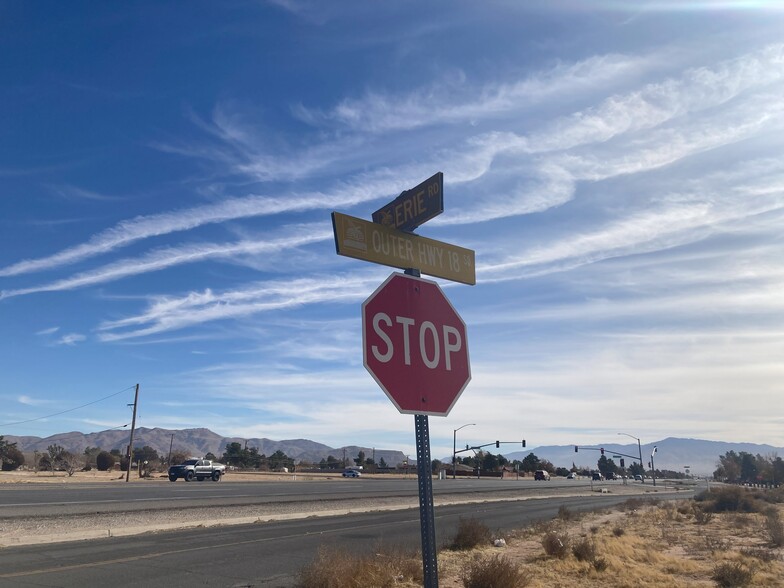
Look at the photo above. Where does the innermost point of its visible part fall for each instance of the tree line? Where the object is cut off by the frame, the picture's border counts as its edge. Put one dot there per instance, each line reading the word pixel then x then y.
pixel 745 468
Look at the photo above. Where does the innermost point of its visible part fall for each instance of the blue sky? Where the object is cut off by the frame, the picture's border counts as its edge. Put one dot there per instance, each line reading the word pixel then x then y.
pixel 168 171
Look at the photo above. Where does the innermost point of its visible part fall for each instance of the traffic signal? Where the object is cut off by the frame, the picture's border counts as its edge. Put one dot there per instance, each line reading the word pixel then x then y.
pixel 498 444
pixel 523 442
pixel 575 448
pixel 622 464
pixel 602 450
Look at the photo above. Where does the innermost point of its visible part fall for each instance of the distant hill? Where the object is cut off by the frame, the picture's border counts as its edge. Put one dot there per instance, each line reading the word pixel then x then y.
pixel 197 442
pixel 672 453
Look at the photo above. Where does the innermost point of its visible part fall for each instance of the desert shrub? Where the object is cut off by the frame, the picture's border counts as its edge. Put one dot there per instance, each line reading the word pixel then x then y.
pixel 729 499
pixel 638 503
pixel 618 531
pixel 566 514
pixel 732 575
pixel 760 553
pixel 774 526
pixel 470 533
pixel 341 569
pixel 584 550
pixel 556 544
pixel 701 517
pixel 599 564
pixel 104 461
pixel 493 572
pixel 714 543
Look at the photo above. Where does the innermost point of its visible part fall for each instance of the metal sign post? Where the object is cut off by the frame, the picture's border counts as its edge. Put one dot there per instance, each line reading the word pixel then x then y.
pixel 409 368
pixel 426 518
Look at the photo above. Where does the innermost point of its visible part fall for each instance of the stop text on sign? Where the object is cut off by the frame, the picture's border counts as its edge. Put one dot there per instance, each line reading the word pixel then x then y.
pixel 428 337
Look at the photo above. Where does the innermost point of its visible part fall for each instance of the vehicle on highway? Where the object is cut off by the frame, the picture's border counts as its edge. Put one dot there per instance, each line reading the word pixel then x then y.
pixel 637 477
pixel 352 474
pixel 200 469
pixel 572 476
pixel 596 476
pixel 541 475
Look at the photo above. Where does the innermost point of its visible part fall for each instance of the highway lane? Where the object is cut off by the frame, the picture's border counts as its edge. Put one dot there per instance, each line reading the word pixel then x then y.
pixel 27 500
pixel 261 555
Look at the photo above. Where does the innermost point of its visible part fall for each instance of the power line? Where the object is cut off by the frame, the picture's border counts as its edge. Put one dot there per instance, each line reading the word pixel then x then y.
pixel 69 410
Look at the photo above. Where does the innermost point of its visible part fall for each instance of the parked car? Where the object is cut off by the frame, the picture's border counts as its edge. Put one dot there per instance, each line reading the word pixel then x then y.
pixel 596 476
pixel 541 475
pixel 352 474
pixel 572 476
pixel 638 477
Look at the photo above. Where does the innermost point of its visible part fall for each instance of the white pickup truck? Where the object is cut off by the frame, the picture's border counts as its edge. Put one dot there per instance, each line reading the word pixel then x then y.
pixel 201 469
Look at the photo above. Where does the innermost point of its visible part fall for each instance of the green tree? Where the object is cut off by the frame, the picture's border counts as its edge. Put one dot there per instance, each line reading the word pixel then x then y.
pixel 234 455
pixel 489 462
pixel 382 463
pixel 90 453
pixel 146 453
pixel 10 457
pixel 280 460
pixel 606 466
pixel 530 463
pixel 210 456
pixel 104 461
pixel 435 466
pixel 360 458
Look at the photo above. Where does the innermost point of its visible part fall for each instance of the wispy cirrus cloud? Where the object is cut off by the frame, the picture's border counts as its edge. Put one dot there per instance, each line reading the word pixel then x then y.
pixel 453 100
pixel 161 259
pixel 30 401
pixel 166 313
pixel 49 331
pixel 71 339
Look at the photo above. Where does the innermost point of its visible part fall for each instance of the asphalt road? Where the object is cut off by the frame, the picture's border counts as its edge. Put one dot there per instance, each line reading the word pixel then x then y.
pixel 259 555
pixel 25 500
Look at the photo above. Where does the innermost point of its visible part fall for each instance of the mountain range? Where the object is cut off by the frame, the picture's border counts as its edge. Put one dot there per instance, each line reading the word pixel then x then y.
pixel 198 442
pixel 701 457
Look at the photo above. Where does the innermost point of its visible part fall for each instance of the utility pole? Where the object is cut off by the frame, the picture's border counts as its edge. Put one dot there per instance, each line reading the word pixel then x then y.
pixel 133 426
pixel 168 459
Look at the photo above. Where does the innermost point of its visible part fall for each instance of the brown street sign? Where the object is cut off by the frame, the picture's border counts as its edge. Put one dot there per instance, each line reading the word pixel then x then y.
pixel 361 239
pixel 414 207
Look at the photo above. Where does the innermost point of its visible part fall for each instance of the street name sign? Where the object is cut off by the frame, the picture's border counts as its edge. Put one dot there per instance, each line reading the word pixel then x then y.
pixel 361 239
pixel 415 346
pixel 414 207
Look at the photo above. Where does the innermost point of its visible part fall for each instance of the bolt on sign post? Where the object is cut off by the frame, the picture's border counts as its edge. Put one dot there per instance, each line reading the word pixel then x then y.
pixel 414 343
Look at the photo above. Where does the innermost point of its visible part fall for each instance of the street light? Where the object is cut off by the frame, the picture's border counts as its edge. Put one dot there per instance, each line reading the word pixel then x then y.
pixel 639 447
pixel 454 448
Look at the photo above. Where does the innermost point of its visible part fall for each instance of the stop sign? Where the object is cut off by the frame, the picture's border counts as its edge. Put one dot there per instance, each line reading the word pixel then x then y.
pixel 414 345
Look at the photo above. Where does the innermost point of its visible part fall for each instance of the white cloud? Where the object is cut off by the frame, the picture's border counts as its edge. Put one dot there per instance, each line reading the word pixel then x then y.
pixel 29 401
pixel 49 331
pixel 71 339
pixel 453 100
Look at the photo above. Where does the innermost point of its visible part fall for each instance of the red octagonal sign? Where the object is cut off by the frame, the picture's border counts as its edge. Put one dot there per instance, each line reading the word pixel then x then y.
pixel 415 346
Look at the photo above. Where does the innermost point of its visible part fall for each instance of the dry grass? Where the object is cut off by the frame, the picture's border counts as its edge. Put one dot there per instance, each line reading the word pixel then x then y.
pixel 334 568
pixel 661 544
